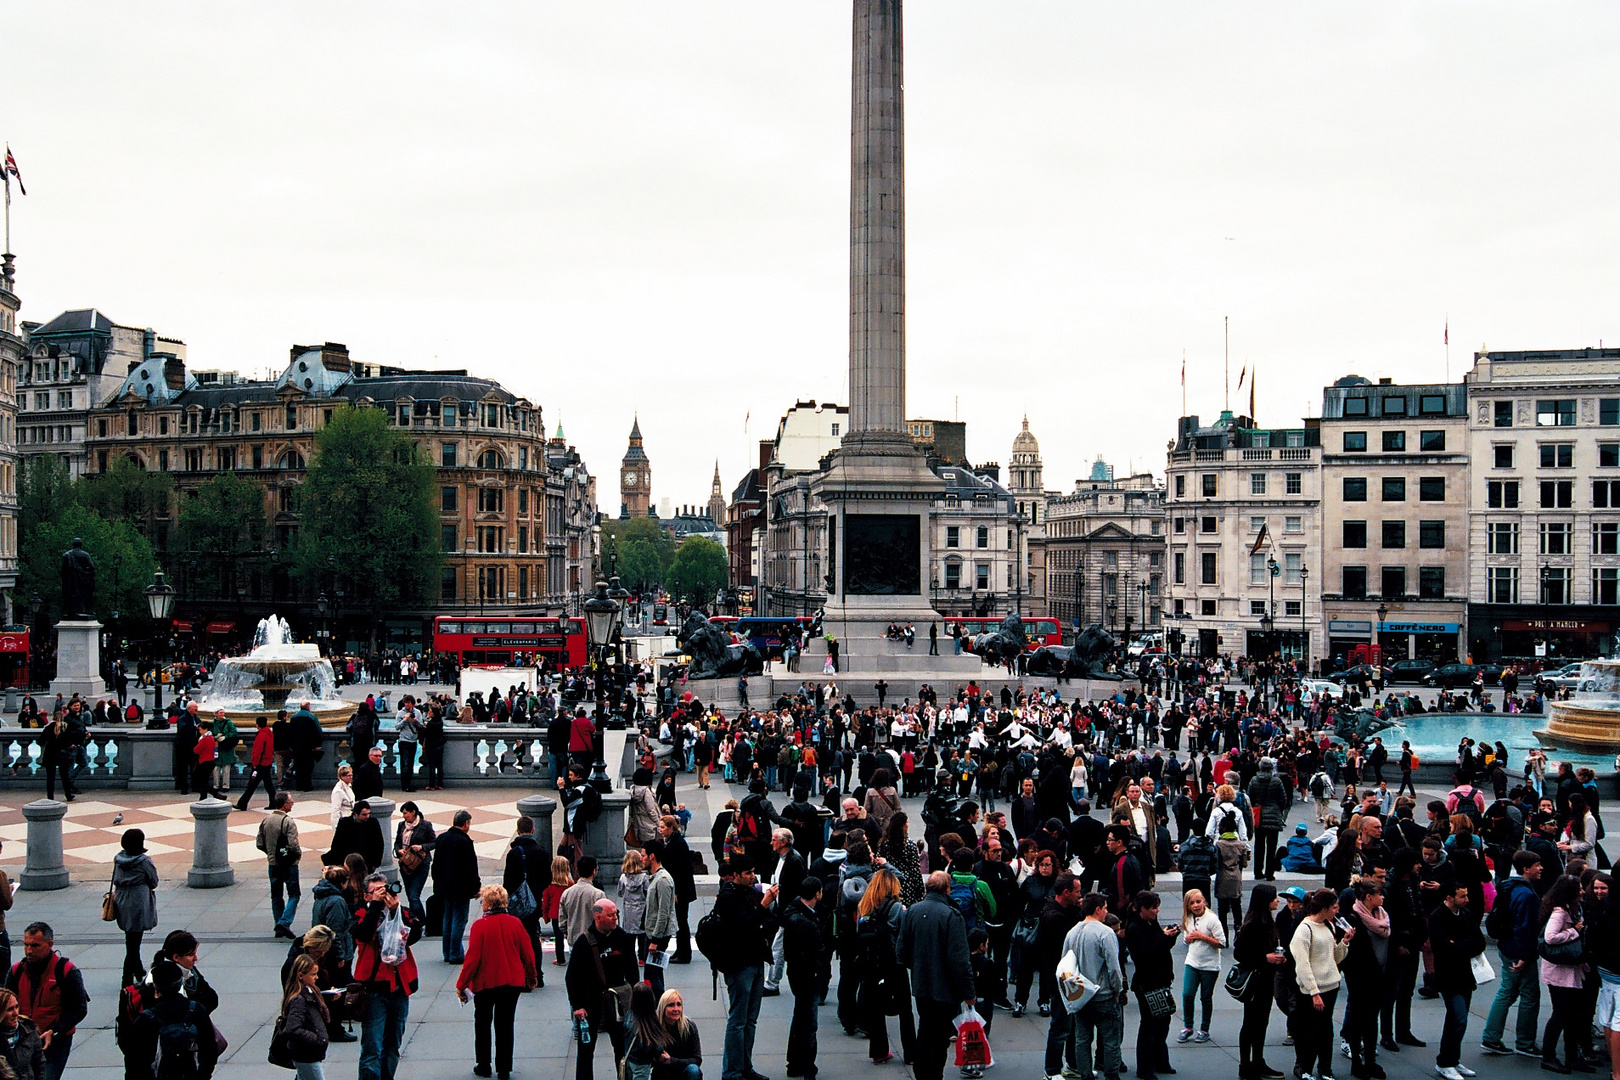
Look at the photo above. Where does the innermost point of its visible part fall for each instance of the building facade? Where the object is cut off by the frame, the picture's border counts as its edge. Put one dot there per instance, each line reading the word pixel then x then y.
pixel 74 364
pixel 976 547
pixel 1544 504
pixel 1105 556
pixel 12 351
pixel 635 477
pixel 1026 482
pixel 1238 498
pixel 745 523
pixel 516 510
pixel 1394 565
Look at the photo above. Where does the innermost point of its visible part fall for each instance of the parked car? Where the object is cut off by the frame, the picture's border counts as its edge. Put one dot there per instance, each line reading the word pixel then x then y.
pixel 1461 676
pixel 1409 671
pixel 1359 673
pixel 1567 676
pixel 1311 690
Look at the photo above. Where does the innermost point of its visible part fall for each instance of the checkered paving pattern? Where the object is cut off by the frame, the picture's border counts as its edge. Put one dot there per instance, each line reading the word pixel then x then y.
pixel 89 836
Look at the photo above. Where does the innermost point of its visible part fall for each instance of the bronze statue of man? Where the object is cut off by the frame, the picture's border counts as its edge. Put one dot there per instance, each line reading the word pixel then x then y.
pixel 78 582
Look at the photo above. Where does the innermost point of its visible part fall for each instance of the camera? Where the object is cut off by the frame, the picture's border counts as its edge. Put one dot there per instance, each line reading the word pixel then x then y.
pixel 394 888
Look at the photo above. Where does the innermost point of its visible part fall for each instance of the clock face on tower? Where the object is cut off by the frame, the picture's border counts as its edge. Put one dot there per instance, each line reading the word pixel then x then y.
pixel 630 479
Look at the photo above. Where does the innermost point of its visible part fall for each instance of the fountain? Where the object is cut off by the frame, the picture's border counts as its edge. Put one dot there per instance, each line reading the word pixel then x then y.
pixel 274 671
pixel 1590 720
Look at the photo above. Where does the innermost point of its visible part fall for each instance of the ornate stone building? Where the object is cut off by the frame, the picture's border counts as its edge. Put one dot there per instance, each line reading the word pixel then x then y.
pixel 635 477
pixel 1105 555
pixel 516 510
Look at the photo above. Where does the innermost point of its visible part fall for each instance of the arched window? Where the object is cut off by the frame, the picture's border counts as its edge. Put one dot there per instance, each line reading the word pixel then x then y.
pixel 287 500
pixel 135 460
pixel 292 459
pixel 489 459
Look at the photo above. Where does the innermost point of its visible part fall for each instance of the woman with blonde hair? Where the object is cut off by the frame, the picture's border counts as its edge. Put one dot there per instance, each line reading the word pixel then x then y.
pixel 1226 803
pixel 304 1020
pixel 681 1055
pixel 884 986
pixel 342 795
pixel 498 969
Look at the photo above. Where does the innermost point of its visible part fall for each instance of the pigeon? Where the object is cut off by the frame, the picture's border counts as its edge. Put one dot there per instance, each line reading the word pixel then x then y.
pixel 119 820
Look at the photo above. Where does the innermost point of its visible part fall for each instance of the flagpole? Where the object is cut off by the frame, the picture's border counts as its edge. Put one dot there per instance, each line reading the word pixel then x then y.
pixel 1183 382
pixel 1448 347
pixel 1227 320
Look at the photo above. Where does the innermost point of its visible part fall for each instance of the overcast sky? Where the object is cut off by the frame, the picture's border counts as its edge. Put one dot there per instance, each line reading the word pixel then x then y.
pixel 622 206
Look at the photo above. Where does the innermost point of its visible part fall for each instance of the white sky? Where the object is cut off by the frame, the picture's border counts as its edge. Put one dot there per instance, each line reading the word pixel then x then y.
pixel 617 206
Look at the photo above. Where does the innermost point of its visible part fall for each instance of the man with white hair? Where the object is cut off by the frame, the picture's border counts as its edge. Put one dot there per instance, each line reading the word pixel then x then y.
pixel 787 875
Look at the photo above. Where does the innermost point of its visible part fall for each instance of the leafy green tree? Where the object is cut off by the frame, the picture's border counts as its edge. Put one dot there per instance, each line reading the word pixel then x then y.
pixel 645 531
pixel 639 564
pixel 369 508
pixel 698 570
pixel 222 519
pixel 126 492
pixel 44 490
pixel 124 564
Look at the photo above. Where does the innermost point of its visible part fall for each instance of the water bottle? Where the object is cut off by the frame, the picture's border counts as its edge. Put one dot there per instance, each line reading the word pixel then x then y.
pixel 583 1029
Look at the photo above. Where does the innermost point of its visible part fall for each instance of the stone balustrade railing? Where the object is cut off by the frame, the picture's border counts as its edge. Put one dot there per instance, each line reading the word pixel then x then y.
pixel 140 759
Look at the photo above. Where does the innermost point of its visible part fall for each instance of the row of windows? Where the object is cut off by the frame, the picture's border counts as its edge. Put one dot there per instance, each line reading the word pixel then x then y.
pixel 1555 538
pixel 1393 582
pixel 1395 405
pixel 981 536
pixel 1430 489
pixel 1557 412
pixel 1553 494
pixel 1209 484
pixel 1209 523
pixel 1394 442
pixel 1431 534
pixel 1560 455
pixel 42 400
pixel 491 583
pixel 1292 569
pixel 1556 585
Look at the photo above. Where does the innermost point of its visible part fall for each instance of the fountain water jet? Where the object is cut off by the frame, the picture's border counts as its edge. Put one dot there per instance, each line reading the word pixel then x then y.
pixel 276 670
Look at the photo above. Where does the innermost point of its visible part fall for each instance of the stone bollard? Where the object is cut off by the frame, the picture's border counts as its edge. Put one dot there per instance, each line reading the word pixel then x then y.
pixel 44 869
pixel 211 846
pixel 382 812
pixel 604 837
pixel 540 810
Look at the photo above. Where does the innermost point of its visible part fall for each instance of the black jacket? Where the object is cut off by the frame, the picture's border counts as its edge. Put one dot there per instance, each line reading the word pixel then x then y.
pixel 750 924
pixel 142 1054
pixel 1004 890
pixel 455 866
pixel 792 876
pixel 353 837
pixel 1456 940
pixel 678 861
pixel 305 1026
pixel 1055 923
pixel 368 781
pixel 526 861
pixel 586 990
pixel 802 949
pixel 1150 949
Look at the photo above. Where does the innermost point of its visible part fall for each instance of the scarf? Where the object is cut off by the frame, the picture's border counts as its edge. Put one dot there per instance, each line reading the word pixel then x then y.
pixel 1377 924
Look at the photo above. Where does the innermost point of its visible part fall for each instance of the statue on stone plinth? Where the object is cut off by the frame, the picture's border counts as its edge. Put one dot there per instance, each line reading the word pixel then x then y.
pixel 78 582
pixel 712 653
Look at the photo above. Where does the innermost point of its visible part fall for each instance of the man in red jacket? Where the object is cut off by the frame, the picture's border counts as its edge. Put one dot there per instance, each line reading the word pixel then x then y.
pixel 389 986
pixel 582 738
pixel 263 761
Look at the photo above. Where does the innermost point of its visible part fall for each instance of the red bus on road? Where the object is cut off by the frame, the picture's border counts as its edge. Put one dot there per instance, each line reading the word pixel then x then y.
pixel 1039 631
pixel 510 642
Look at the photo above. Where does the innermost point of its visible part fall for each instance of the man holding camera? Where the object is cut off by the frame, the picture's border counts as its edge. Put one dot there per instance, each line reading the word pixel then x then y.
pixel 384 932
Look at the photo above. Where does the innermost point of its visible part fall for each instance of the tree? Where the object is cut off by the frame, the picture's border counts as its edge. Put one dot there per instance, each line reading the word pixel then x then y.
pixel 643 530
pixel 639 564
pixel 123 557
pixel 127 492
pixel 44 490
pixel 698 571
pixel 220 521
pixel 369 507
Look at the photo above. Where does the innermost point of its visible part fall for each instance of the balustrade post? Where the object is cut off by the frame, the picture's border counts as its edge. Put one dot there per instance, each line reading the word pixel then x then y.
pixel 44 868
pixel 382 811
pixel 211 854
pixel 540 810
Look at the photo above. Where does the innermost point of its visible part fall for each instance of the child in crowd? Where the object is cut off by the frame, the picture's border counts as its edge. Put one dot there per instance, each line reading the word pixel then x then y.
pixel 561 878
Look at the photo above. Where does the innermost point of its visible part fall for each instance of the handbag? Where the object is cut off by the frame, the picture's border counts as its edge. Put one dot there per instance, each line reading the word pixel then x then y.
pixel 1238 979
pixel 1073 987
pixel 1025 932
pixel 410 861
pixel 109 908
pixel 618 995
pixel 521 903
pixel 1482 971
pixel 280 1056
pixel 1159 1002
pixel 1567 952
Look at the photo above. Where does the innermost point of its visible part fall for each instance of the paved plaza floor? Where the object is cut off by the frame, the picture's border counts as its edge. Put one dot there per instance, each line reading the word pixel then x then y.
pixel 243 961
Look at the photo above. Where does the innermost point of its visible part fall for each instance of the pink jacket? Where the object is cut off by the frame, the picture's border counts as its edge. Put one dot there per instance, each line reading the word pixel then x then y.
pixel 1561 928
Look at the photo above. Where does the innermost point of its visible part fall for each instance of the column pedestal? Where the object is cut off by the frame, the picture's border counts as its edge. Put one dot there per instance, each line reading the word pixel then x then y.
pixel 44 868
pixel 382 810
pixel 211 856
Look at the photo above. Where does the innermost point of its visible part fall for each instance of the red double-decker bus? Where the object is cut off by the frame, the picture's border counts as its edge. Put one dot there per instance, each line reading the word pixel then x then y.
pixel 512 642
pixel 1039 631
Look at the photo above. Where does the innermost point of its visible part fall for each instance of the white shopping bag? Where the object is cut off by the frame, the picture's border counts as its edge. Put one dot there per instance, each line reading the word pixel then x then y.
pixel 1073 987
pixel 1482 969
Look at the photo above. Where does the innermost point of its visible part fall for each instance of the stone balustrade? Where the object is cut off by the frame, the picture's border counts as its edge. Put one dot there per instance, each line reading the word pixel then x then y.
pixel 136 758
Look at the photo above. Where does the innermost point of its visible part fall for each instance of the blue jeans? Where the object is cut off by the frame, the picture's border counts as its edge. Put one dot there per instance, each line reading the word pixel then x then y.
pixel 1102 1015
pixel 745 990
pixel 1196 980
pixel 284 893
pixel 413 888
pixel 1524 988
pixel 1454 1027
pixel 56 1057
pixel 454 929
pixel 382 1029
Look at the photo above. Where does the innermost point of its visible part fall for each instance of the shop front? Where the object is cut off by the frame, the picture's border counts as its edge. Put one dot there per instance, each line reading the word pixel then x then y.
pixel 1343 637
pixel 1408 640
pixel 1509 633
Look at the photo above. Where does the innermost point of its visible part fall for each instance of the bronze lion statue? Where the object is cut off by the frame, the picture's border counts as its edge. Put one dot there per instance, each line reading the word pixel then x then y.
pixel 713 655
pixel 1002 644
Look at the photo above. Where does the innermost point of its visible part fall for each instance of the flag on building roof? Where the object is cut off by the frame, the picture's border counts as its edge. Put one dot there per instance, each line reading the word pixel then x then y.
pixel 1261 540
pixel 10 170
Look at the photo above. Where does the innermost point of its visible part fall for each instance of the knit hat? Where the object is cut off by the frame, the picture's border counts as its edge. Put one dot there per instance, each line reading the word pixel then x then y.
pixel 1301 829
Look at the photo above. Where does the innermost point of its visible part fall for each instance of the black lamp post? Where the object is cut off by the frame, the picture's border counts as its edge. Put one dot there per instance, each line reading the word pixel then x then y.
pixel 1378 630
pixel 1267 626
pixel 323 605
pixel 601 623
pixel 1113 612
pixel 34 604
pixel 159 603
pixel 1304 635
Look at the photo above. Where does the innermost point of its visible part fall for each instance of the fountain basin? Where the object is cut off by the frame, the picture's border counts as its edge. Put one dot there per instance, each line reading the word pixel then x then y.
pixel 278 673
pixel 1590 720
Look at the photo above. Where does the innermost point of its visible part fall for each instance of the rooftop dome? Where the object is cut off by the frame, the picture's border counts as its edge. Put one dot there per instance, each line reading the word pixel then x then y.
pixel 1024 442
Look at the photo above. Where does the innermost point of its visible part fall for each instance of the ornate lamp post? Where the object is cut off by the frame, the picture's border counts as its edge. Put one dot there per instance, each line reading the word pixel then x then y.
pixel 34 605
pixel 1267 626
pixel 323 605
pixel 159 603
pixel 1304 635
pixel 1378 631
pixel 601 624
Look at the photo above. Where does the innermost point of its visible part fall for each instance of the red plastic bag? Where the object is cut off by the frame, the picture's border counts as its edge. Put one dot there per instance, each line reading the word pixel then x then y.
pixel 972 1044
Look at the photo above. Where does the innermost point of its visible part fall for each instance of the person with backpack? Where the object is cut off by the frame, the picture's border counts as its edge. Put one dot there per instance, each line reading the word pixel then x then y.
pixel 884 990
pixel 50 991
pixel 173 1039
pixel 1466 799
pixel 1514 923
pixel 278 839
pixel 737 942
pixel 932 945
pixel 1270 797
pixel 853 877
pixel 807 975
pixel 384 933
pixel 526 865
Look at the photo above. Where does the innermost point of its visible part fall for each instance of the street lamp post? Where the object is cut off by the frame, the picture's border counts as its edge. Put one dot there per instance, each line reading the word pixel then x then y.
pixel 1267 625
pixel 601 623
pixel 1304 635
pixel 1378 630
pixel 323 605
pixel 34 605
pixel 1113 612
pixel 1272 570
pixel 159 603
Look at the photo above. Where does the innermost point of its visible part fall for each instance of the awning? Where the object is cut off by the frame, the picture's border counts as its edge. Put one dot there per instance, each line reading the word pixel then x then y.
pixel 219 628
pixel 182 627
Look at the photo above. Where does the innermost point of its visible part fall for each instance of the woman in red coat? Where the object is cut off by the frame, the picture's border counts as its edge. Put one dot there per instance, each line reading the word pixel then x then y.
pixel 498 968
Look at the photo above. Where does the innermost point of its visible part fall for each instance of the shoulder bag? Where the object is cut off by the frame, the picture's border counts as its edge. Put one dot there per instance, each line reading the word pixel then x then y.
pixel 109 907
pixel 1238 978
pixel 1159 1002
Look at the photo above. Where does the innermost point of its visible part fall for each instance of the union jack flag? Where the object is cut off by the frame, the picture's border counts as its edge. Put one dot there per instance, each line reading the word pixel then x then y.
pixel 10 170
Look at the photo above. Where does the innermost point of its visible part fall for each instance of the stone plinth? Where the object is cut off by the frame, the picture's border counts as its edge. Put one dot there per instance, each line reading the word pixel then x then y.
pixel 211 856
pixel 540 810
pixel 383 811
pixel 604 837
pixel 44 868
pixel 78 660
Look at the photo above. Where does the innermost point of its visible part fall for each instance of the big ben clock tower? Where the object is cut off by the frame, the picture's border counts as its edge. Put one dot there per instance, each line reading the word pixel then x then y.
pixel 635 477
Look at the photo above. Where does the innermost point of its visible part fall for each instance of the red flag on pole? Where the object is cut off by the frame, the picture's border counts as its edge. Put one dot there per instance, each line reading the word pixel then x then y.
pixel 10 170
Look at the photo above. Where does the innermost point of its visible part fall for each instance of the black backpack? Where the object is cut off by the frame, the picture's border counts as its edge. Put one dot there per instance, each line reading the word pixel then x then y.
pixel 590 803
pixel 1499 922
pixel 714 942
pixel 177 1050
